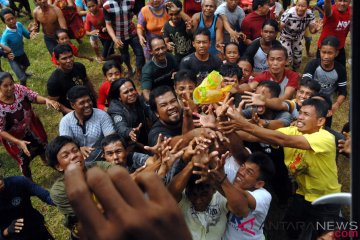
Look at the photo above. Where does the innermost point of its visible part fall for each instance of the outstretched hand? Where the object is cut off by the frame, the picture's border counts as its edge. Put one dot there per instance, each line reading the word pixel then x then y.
pixel 140 209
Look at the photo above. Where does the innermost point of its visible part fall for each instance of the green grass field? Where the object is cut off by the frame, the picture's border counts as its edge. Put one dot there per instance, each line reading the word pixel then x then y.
pixel 42 68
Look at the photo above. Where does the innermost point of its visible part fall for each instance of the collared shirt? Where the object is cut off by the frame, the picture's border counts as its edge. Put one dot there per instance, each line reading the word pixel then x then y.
pixel 92 131
pixel 119 14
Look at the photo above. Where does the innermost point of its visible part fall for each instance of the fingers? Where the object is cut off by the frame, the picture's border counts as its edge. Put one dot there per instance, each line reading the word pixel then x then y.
pixel 152 185
pixel 176 148
pixel 138 128
pixel 107 194
pixel 81 200
pixel 126 187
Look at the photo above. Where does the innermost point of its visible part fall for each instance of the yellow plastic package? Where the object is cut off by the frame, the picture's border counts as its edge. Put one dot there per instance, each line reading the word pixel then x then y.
pixel 210 91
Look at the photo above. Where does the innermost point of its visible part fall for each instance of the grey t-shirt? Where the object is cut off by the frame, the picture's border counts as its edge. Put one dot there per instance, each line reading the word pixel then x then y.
pixel 234 18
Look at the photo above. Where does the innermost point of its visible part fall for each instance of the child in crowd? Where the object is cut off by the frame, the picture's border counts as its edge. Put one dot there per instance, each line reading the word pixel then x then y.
pixel 246 65
pixel 330 74
pixel 62 37
pixel 294 22
pixel 112 72
pixel 231 52
pixel 95 27
pixel 12 37
pixel 177 33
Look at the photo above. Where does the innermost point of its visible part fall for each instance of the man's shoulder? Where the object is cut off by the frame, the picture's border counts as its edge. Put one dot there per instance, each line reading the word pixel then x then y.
pixel 68 118
pixel 58 187
pixel 56 75
pixel 97 113
pixel 189 58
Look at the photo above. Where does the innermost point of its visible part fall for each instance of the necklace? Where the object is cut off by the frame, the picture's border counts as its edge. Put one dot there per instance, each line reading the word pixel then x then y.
pixel 160 65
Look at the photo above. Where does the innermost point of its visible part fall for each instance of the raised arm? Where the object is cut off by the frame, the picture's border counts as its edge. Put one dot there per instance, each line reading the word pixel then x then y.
pixel 265 135
pixel 328 8
pixel 61 19
pixel 179 181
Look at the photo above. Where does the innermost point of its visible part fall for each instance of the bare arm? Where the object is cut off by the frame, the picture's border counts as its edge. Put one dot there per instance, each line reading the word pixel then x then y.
pixel 288 94
pixel 62 108
pixel 265 135
pixel 233 34
pixel 61 19
pixel 179 182
pixel 328 8
pixel 219 31
pixel 195 20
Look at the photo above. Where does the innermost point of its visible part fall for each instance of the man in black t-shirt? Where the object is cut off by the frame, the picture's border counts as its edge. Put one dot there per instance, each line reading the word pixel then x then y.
pixel 68 74
pixel 177 33
pixel 164 103
pixel 160 70
pixel 201 62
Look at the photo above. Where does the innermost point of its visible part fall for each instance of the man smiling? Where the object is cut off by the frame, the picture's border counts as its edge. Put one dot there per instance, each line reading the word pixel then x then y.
pixel 309 154
pixel 164 103
pixel 68 74
pixel 60 153
pixel 85 124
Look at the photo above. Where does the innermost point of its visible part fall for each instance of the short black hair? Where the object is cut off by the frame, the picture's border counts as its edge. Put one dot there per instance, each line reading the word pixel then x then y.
pixel 272 23
pixel 321 107
pixel 279 48
pixel 192 185
pixel 109 65
pixel 185 75
pixel 156 92
pixel 231 43
pixel 311 84
pixel 53 148
pixel 95 1
pixel 61 49
pixel 330 41
pixel 61 30
pixel 177 3
pixel 273 87
pixel 4 75
pixel 323 97
pixel 265 163
pixel 203 31
pixel 155 38
pixel 77 92
pixel 112 138
pixel 5 11
pixel 247 59
pixel 257 3
pixel 231 69
pixel 114 91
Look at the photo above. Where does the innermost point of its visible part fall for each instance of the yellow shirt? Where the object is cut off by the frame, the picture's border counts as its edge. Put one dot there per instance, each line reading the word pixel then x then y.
pixel 315 170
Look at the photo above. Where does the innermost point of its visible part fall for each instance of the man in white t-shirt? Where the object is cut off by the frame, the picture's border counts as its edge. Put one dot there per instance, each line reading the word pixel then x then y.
pixel 250 179
pixel 205 209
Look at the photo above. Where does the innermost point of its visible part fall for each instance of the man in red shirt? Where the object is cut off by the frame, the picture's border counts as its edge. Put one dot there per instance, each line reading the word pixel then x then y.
pixel 277 59
pixel 253 22
pixel 336 21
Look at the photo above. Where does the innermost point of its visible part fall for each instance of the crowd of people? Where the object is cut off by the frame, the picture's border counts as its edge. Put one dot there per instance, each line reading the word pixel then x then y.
pixel 156 161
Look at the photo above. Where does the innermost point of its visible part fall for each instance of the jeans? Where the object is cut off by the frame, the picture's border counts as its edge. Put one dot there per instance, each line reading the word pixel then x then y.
pixel 108 47
pixel 137 49
pixel 19 66
pixel 50 43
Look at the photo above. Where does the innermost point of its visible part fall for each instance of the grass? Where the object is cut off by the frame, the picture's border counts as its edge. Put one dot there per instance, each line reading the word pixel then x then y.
pixel 42 68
